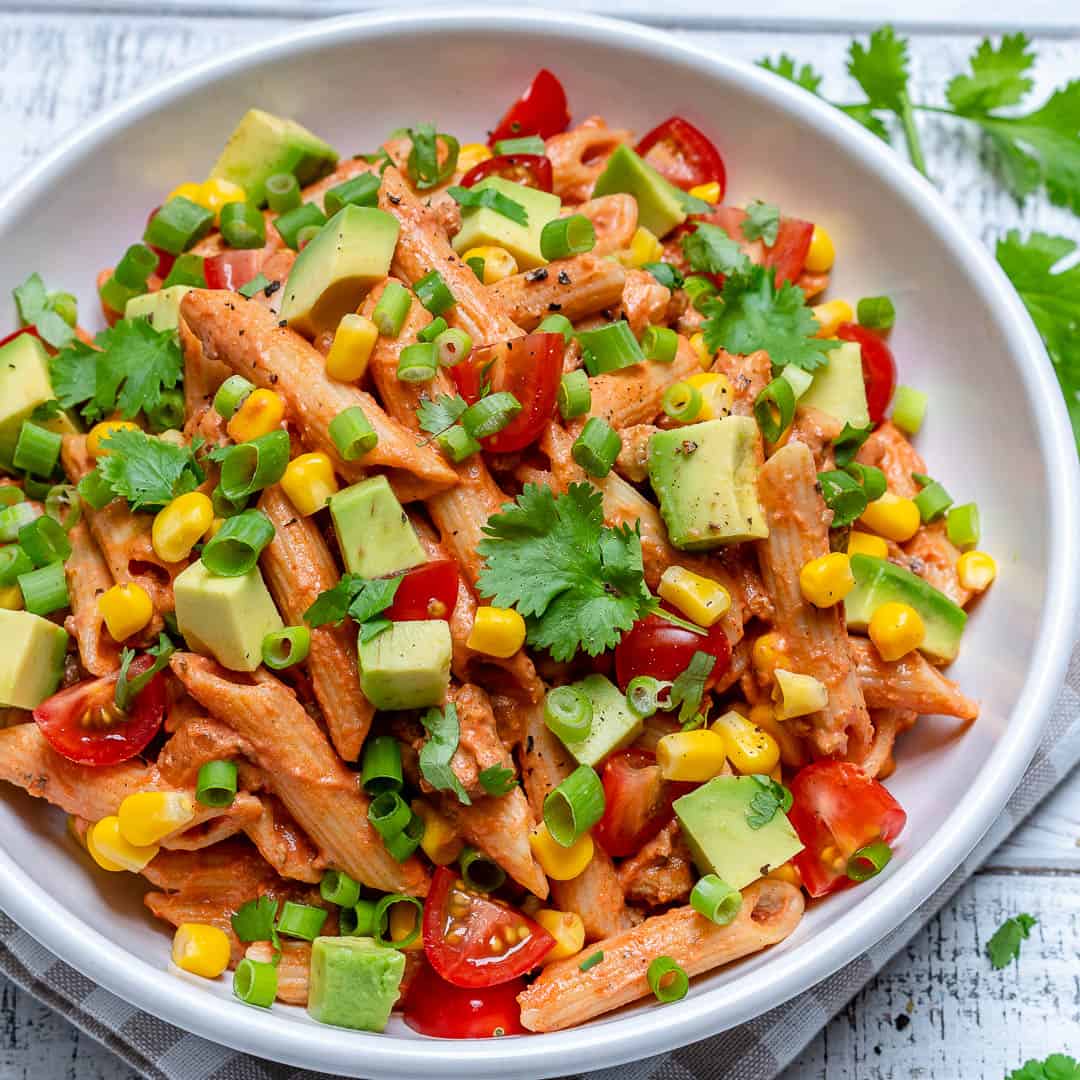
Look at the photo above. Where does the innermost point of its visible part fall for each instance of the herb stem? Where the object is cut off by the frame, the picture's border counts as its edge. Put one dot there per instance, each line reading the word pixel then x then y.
pixel 911 134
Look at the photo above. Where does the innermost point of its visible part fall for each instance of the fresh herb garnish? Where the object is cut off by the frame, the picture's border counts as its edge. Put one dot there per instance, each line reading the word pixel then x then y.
pixel 438 750
pixel 440 415
pixel 1055 1067
pixel 843 495
pixel 1004 946
pixel 256 284
pixel 423 165
pixel 591 961
pixel 46 410
pixel 128 689
pixel 358 597
pixel 848 443
pixel 146 471
pixel 255 921
pixel 772 798
pixel 498 781
pixel 710 250
pixel 762 222
pixel 688 689
pixel 490 199
pixel 665 274
pixel 37 308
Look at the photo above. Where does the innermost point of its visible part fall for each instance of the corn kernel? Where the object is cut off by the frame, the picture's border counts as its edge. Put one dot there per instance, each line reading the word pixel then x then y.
pixel 644 248
pixel 768 654
pixel 11 598
pixel 788 872
pixel 309 482
pixel 100 432
pixel 498 262
pixel 497 632
pixel 694 756
pixel 697 343
pixel 709 192
pixel 558 862
pixel 471 155
pixel 716 395
pixel 402 923
pixel 896 629
pixel 750 749
pixel 111 851
pixel 147 817
pixel 792 752
pixel 126 609
pixel 821 254
pixel 181 525
pixel 201 949
pixel 826 580
pixel 261 412
pixel 830 315
pixel 798 695
pixel 698 598
pixel 860 543
pixel 354 340
pixel 216 192
pixel 976 570
pixel 189 190
pixel 440 842
pixel 568 930
pixel 893 517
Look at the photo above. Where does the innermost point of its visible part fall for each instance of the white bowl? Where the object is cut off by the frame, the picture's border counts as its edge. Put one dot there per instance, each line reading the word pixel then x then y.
pixel 996 433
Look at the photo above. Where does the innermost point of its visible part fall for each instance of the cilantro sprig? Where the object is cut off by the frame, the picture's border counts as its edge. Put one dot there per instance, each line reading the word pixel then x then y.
pixel 41 309
pixel 147 471
pixel 444 733
pixel 1004 945
pixel 498 781
pixel 773 798
pixel 688 689
pixel 441 413
pixel 363 599
pixel 1055 1067
pixel 128 688
pixel 257 921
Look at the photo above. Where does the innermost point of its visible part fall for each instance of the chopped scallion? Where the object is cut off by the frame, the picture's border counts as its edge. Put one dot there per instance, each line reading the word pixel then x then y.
pixel 353 434
pixel 237 545
pixel 597 447
pixel 609 348
pixel 284 648
pixel 217 783
pixel 575 395
pixel 575 806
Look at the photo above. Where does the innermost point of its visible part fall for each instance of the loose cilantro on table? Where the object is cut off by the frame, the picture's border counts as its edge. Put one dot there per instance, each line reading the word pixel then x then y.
pixel 1055 1067
pixel 38 308
pixel 766 803
pixel 363 599
pixel 146 471
pixel 1004 946
pixel 441 414
pixel 762 222
pixel 438 751
pixel 255 921
pixel 498 781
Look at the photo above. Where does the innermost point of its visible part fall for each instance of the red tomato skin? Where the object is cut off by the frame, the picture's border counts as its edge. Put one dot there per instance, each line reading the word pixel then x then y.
pixel 879 367
pixel 837 805
pixel 442 1010
pixel 533 170
pixel 541 110
pixel 428 591
pixel 787 256
pixel 232 269
pixel 32 330
pixel 653 646
pixel 692 158
pixel 58 718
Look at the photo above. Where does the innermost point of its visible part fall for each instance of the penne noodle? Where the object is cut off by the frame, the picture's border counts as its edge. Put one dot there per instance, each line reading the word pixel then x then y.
pixel 748 375
pixel 644 301
pixel 281 843
pixel 579 156
pixel 889 450
pixel 933 556
pixel 909 683
pixel 614 219
pixel 576 287
pixel 202 375
pixel 633 461
pixel 293 968
pixel 88 577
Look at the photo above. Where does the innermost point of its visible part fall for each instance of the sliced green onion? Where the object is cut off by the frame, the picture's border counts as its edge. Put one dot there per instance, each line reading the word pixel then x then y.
pixel 10 495
pixel 433 292
pixel 284 648
pixel 237 545
pixel 381 928
pixel 715 899
pixel 306 235
pixel 169 412
pixel 93 488
pixel 660 343
pixel 565 236
pixel 301 921
pixel 568 713
pixel 476 265
pixel 362 190
pixel 251 466
pixel 242 225
pixel 774 409
pixel 423 165
pixel 909 409
pixel 282 192
pixel 353 434
pixel 357 920
pixel 223 507
pixel 433 329
pixel 389 813
pixel 14 562
pixel 575 806
pixel 66 306
pixel 178 225
pixel 135 267
pixel 217 783
pixel 932 501
pixel 526 144
pixel 45 541
pixel 390 311
pixel 62 504
pixel 37 450
pixel 231 394
pixel 667 980
pixel 36 487
pixel 418 362
pixel 187 270
pixel 557 324
pixel 381 770
pixel 292 221
pixel 869 477
pixel 338 888
pixel 682 402
pixel 255 983
pixel 843 495
pixel 591 961
pixel 45 591
pixel 799 379
pixel 597 447
pixel 962 525
pixel 643 695
pixel 490 414
pixel 13 518
pixel 575 394
pixel 699 289
pixel 457 444
pixel 454 345
pixel 609 348
pixel 876 312
pixel 402 844
pixel 869 861
pixel 480 871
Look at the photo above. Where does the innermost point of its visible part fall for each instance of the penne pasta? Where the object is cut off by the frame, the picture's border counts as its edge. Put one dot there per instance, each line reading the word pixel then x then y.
pixel 889 450
pixel 614 219
pixel 576 287
pixel 911 682
pixel 88 577
pixel 579 156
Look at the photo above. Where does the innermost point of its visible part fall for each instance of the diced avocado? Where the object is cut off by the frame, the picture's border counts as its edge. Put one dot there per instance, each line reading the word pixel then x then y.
pixel 660 207
pixel 481 226
pixel 705 476
pixel 32 653
pixel 354 982
pixel 161 308
pixel 373 531
pixel 714 824
pixel 348 255
pixel 838 388
pixel 264 144
pixel 24 385
pixel 408 665
pixel 613 724
pixel 225 617
pixel 878 581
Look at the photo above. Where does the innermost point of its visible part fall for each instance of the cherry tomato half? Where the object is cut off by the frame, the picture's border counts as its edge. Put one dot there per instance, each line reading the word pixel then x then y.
pixel 32 330
pixel 787 255
pixel 838 809
pixel 437 1008
pixel 529 368
pixel 653 646
pixel 683 155
pixel 878 367
pixel 84 725
pixel 428 591
pixel 232 269
pixel 532 170
pixel 541 110
pixel 460 926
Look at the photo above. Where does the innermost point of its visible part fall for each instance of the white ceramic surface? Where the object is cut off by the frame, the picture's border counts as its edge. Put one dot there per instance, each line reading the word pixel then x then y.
pixel 996 433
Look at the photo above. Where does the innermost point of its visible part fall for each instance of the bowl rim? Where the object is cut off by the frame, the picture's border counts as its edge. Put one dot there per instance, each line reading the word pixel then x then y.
pixel 616 1040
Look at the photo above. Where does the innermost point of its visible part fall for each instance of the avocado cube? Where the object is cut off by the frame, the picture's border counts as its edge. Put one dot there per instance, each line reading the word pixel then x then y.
pixel 614 725
pixel 161 309
pixel 481 226
pixel 407 666
pixel 839 388
pixel 713 819
pixel 373 531
pixel 32 651
pixel 225 617
pixel 348 255
pixel 660 206
pixel 24 385
pixel 354 982
pixel 705 476
pixel 264 144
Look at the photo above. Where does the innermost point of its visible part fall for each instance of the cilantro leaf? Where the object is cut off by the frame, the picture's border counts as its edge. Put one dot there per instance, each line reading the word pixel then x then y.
pixel 147 471
pixel 766 803
pixel 46 410
pixel 1004 946
pixel 373 598
pixel 36 308
pixel 997 76
pixel 847 444
pixel 578 583
pixel 255 921
pixel 439 415
pixel 136 364
pixel 372 628
pixel 688 689
pixel 444 732
pixel 710 250
pixel 762 222
pixel 128 689
pixel 785 67
pixel 490 199
pixel 358 597
pixel 497 781
pixel 1055 1067
pixel 73 372
pixel 865 115
pixel 666 274
pixel 881 69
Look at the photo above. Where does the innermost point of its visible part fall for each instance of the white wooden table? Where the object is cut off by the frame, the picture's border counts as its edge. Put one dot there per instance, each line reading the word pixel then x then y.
pixel 940 1011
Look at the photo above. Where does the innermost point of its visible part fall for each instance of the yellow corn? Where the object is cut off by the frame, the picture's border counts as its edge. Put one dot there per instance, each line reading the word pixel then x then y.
pixel 893 517
pixel 976 570
pixel 216 192
pixel 830 315
pixel 147 817
pixel 440 842
pixel 716 395
pixel 644 248
pixel 697 343
pixel 471 155
pixel 860 543
pixel 498 262
pixel 126 609
pixel 201 949
pixel 181 525
pixel 11 598
pixel 102 431
pixel 190 190
pixel 698 598
pixel 309 482
pixel 767 654
pixel 822 254
pixel 566 928
pixel 798 695
pixel 710 192
pixel 353 342
pixel 111 851
pixel 695 756
pixel 788 872
pixel 558 862
pixel 750 749
pixel 826 580
pixel 497 632
pixel 261 412
pixel 896 629
pixel 791 747
pixel 402 923
pixel 173 437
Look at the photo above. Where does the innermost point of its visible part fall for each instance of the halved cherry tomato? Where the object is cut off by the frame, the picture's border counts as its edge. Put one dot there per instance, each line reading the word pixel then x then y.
pixel 541 110
pixel 22 330
pixel 232 269
pixel 787 256
pixel 529 368
pixel 878 367
pixel 838 809
pixel 428 591
pixel 83 724
pixel 653 646
pixel 532 170
pixel 437 1008
pixel 472 939
pixel 683 155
